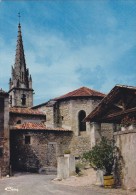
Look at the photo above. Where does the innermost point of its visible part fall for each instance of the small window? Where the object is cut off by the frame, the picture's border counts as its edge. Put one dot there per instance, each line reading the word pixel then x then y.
pixel 62 117
pixel 1 152
pixel 27 139
pixel 19 122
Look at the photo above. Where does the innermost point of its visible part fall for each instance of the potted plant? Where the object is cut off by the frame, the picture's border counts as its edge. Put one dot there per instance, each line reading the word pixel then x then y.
pixel 101 157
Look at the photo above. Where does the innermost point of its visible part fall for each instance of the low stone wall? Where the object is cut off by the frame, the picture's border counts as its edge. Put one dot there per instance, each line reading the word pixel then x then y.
pixel 126 141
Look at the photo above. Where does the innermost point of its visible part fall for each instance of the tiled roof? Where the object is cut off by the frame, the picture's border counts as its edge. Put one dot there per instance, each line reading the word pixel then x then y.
pixel 35 126
pixel 25 111
pixel 113 105
pixel 81 92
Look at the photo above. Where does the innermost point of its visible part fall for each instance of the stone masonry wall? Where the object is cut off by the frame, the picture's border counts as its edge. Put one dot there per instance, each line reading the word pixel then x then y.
pixel 107 130
pixel 16 97
pixel 70 109
pixel 4 135
pixel 43 150
pixel 68 118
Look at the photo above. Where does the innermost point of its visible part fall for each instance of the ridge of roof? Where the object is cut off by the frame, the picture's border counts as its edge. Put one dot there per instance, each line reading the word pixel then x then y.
pixel 81 92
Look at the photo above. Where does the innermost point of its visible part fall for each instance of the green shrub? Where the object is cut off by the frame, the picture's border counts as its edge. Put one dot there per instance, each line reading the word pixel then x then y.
pixel 102 155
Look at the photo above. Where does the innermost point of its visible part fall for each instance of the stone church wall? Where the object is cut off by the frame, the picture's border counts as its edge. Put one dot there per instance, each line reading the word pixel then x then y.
pixel 16 97
pixel 42 151
pixel 68 111
pixel 64 113
pixel 67 114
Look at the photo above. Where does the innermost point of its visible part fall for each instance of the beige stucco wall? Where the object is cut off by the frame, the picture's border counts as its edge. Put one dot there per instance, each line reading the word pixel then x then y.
pixel 126 141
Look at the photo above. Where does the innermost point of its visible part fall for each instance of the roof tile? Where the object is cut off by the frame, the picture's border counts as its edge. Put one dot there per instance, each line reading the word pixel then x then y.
pixel 36 126
pixel 81 92
pixel 25 111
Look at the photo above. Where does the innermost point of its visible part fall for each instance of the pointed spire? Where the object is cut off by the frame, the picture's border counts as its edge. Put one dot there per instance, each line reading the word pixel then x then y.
pixel 20 84
pixel 20 73
pixel 20 56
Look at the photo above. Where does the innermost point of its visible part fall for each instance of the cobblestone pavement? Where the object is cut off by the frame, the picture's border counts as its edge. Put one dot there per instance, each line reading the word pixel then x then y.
pixel 35 184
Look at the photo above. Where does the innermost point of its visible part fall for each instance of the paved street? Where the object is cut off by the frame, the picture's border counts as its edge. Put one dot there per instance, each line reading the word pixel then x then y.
pixel 35 184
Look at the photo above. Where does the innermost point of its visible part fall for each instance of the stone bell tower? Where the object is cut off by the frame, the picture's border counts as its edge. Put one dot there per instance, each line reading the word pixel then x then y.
pixel 20 83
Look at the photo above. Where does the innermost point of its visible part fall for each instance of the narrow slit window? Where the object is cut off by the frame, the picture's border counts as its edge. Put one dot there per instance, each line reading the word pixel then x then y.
pixel 27 139
pixel 81 116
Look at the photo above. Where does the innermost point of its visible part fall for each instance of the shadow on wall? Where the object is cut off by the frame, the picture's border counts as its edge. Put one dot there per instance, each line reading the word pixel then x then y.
pixel 23 156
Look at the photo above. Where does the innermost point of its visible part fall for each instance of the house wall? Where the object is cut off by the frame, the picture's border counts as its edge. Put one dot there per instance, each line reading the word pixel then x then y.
pixel 126 141
pixel 43 150
pixel 4 135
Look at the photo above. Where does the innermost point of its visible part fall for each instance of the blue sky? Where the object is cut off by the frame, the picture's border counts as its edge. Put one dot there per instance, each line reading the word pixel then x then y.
pixel 69 44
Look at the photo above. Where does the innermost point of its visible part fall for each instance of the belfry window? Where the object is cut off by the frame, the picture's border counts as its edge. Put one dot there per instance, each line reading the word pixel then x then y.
pixel 23 98
pixel 10 99
pixel 81 116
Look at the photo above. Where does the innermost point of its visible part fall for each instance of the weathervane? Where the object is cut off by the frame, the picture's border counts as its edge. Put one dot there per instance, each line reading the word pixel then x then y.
pixel 19 16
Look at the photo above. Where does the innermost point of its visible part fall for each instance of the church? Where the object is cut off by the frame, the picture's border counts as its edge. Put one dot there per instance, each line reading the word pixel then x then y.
pixel 32 137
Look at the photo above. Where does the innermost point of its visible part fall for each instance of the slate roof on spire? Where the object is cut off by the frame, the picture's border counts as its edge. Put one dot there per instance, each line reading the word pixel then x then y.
pixel 20 57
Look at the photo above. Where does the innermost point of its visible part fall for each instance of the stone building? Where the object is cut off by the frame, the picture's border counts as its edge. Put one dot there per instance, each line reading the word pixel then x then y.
pixel 68 112
pixel 119 108
pixel 4 134
pixel 38 134
pixel 32 144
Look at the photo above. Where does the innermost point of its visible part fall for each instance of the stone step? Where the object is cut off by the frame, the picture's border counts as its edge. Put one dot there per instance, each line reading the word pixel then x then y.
pixel 48 170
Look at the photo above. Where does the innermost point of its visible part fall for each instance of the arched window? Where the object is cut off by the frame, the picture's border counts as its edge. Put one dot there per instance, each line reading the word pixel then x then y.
pixel 81 116
pixel 19 122
pixel 23 98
